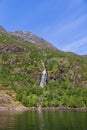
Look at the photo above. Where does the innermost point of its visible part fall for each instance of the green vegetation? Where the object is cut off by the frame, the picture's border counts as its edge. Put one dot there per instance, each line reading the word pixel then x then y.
pixel 21 69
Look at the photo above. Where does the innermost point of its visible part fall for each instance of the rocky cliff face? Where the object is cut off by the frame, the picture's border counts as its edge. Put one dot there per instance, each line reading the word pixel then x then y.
pixel 2 29
pixel 8 98
pixel 85 56
pixel 30 37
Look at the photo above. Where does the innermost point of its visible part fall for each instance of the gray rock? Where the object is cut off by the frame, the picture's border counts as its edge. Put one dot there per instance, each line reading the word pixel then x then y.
pixel 30 37
pixel 2 29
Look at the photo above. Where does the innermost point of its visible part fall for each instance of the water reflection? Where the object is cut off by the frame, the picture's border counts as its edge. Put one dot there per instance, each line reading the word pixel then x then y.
pixel 41 123
pixel 62 120
pixel 43 120
pixel 7 120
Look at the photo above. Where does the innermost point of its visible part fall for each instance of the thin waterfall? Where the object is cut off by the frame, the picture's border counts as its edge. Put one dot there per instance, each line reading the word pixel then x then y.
pixel 43 77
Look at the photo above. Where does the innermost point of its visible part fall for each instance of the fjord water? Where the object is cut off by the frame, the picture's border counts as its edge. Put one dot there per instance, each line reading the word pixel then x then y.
pixel 46 120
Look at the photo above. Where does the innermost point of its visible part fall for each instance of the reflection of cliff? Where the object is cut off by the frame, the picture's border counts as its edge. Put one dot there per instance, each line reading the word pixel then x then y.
pixel 40 115
pixel 7 120
pixel 43 120
pixel 60 120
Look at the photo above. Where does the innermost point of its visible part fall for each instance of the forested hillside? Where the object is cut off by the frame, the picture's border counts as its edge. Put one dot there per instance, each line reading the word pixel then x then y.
pixel 21 69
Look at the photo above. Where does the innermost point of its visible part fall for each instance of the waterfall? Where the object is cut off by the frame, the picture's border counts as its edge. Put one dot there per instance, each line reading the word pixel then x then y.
pixel 43 77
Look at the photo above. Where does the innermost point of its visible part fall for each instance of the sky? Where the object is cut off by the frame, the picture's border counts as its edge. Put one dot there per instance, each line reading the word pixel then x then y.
pixel 61 22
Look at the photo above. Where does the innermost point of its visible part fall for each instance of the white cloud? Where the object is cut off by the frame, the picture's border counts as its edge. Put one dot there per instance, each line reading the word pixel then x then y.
pixel 79 46
pixel 74 24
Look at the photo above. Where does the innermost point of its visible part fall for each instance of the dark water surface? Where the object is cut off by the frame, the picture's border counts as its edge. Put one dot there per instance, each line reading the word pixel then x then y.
pixel 46 120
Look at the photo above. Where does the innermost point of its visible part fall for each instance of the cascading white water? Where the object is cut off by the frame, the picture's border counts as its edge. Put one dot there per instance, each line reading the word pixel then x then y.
pixel 44 77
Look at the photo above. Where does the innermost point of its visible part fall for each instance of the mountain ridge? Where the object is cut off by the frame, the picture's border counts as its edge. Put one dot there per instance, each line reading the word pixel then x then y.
pixel 2 29
pixel 30 37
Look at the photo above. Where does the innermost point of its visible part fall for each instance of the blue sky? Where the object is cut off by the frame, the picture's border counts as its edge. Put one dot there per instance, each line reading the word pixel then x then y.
pixel 61 22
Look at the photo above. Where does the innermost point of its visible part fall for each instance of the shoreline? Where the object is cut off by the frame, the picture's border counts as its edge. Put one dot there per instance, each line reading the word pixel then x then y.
pixel 23 108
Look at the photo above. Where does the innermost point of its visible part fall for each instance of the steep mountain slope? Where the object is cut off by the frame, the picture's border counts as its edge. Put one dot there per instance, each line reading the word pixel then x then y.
pixel 30 37
pixel 21 69
pixel 2 29
pixel 85 56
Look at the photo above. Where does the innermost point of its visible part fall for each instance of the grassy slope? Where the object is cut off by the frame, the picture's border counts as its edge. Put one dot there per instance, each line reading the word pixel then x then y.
pixel 21 68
